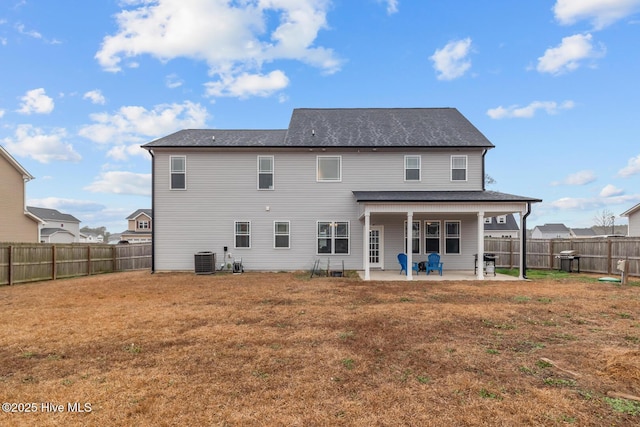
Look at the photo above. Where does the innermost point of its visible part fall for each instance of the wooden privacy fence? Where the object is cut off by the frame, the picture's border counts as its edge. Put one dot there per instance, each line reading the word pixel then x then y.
pixel 597 255
pixel 30 262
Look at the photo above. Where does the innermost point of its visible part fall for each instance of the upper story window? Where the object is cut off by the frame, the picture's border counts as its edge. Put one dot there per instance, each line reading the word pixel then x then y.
pixel 329 168
pixel 412 168
pixel 458 168
pixel 488 220
pixel 143 225
pixel 502 219
pixel 178 172
pixel 265 172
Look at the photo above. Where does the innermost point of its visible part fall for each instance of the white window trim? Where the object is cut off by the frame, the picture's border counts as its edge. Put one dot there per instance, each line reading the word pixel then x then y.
pixel 235 235
pixel 419 168
pixel 466 168
pixel 171 173
pixel 318 169
pixel 333 239
pixel 275 234
pixel 419 236
pixel 425 235
pixel 445 236
pixel 273 173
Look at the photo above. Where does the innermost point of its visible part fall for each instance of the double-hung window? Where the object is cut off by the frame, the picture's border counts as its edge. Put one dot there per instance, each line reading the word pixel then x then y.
pixel 458 168
pixel 329 168
pixel 415 237
pixel 412 168
pixel 143 225
pixel 452 237
pixel 178 172
pixel 265 172
pixel 242 234
pixel 333 237
pixel 281 234
pixel 432 236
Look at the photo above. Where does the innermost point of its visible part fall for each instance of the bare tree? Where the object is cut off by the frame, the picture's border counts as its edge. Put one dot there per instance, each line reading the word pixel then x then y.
pixel 605 219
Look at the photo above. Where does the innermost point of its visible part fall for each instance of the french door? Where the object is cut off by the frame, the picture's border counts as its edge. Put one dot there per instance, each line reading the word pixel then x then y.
pixel 376 247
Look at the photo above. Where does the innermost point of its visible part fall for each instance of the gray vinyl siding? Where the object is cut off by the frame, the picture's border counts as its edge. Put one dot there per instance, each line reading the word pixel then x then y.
pixel 634 224
pixel 222 188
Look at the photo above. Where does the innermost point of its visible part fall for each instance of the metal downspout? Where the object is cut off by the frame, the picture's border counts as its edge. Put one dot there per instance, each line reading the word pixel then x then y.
pixel 524 240
pixel 484 178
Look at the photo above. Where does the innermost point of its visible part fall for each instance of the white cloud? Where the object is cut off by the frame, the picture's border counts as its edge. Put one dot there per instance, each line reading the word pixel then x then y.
pixel 32 142
pixel 123 152
pixel 172 81
pixel 246 85
pixel 234 38
pixel 70 206
pixel 580 178
pixel 632 168
pixel 117 182
pixel 569 55
pixel 1 114
pixel 611 190
pixel 515 111
pixel 451 61
pixel 95 96
pixel 600 12
pixel 134 124
pixel 591 203
pixel 392 6
pixel 36 101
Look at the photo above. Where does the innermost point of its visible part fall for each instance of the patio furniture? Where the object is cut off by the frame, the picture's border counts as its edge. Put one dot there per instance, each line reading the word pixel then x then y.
pixel 402 259
pixel 433 263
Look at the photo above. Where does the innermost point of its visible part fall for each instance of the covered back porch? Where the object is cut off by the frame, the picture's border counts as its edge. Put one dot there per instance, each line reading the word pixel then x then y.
pixel 449 223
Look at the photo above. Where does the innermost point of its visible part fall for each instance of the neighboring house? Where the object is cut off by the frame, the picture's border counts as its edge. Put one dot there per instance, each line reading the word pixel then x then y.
pixel 582 232
pixel 57 227
pixel 550 231
pixel 501 226
pixel 282 199
pixel 16 223
pixel 633 215
pixel 91 238
pixel 140 226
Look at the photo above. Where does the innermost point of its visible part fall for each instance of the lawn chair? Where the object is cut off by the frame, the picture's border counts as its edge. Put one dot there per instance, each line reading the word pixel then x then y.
pixel 433 263
pixel 402 259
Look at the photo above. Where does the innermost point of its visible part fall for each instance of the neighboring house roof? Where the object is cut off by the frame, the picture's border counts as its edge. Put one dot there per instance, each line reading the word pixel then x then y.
pixel 334 127
pixel 631 211
pixel 583 232
pixel 509 224
pixel 46 232
pixel 139 212
pixel 439 196
pixel 26 175
pixel 552 228
pixel 51 214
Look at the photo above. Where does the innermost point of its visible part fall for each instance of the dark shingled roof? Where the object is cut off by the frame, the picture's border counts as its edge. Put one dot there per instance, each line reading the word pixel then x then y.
pixel 345 127
pixel 439 196
pixel 46 214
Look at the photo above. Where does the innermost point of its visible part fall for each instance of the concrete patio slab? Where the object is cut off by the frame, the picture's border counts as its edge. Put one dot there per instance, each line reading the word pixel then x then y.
pixel 393 275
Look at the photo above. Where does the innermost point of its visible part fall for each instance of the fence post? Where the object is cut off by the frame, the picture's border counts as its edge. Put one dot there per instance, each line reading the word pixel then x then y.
pixel 550 254
pixel 88 260
pixel 609 261
pixel 54 263
pixel 114 256
pixel 10 266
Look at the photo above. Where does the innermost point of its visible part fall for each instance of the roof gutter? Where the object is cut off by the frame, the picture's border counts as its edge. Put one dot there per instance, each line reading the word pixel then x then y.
pixel 484 176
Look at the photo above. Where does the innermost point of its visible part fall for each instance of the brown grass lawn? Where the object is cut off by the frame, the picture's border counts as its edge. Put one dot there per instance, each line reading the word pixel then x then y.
pixel 282 350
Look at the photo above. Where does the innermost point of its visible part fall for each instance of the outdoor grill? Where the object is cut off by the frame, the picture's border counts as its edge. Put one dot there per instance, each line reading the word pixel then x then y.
pixel 489 263
pixel 567 259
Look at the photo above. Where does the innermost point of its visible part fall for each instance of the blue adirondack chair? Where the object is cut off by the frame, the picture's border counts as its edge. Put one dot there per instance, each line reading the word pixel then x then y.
pixel 402 259
pixel 433 263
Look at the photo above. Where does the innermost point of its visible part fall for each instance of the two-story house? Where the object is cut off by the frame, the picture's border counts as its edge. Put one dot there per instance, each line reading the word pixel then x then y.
pixel 139 227
pixel 504 226
pixel 56 227
pixel 16 223
pixel 353 186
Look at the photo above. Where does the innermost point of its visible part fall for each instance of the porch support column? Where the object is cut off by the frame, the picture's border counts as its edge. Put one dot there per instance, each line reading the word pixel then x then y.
pixel 366 245
pixel 409 245
pixel 480 259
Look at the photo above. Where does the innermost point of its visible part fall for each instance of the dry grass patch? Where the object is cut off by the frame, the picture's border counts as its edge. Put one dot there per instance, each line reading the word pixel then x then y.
pixel 279 349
